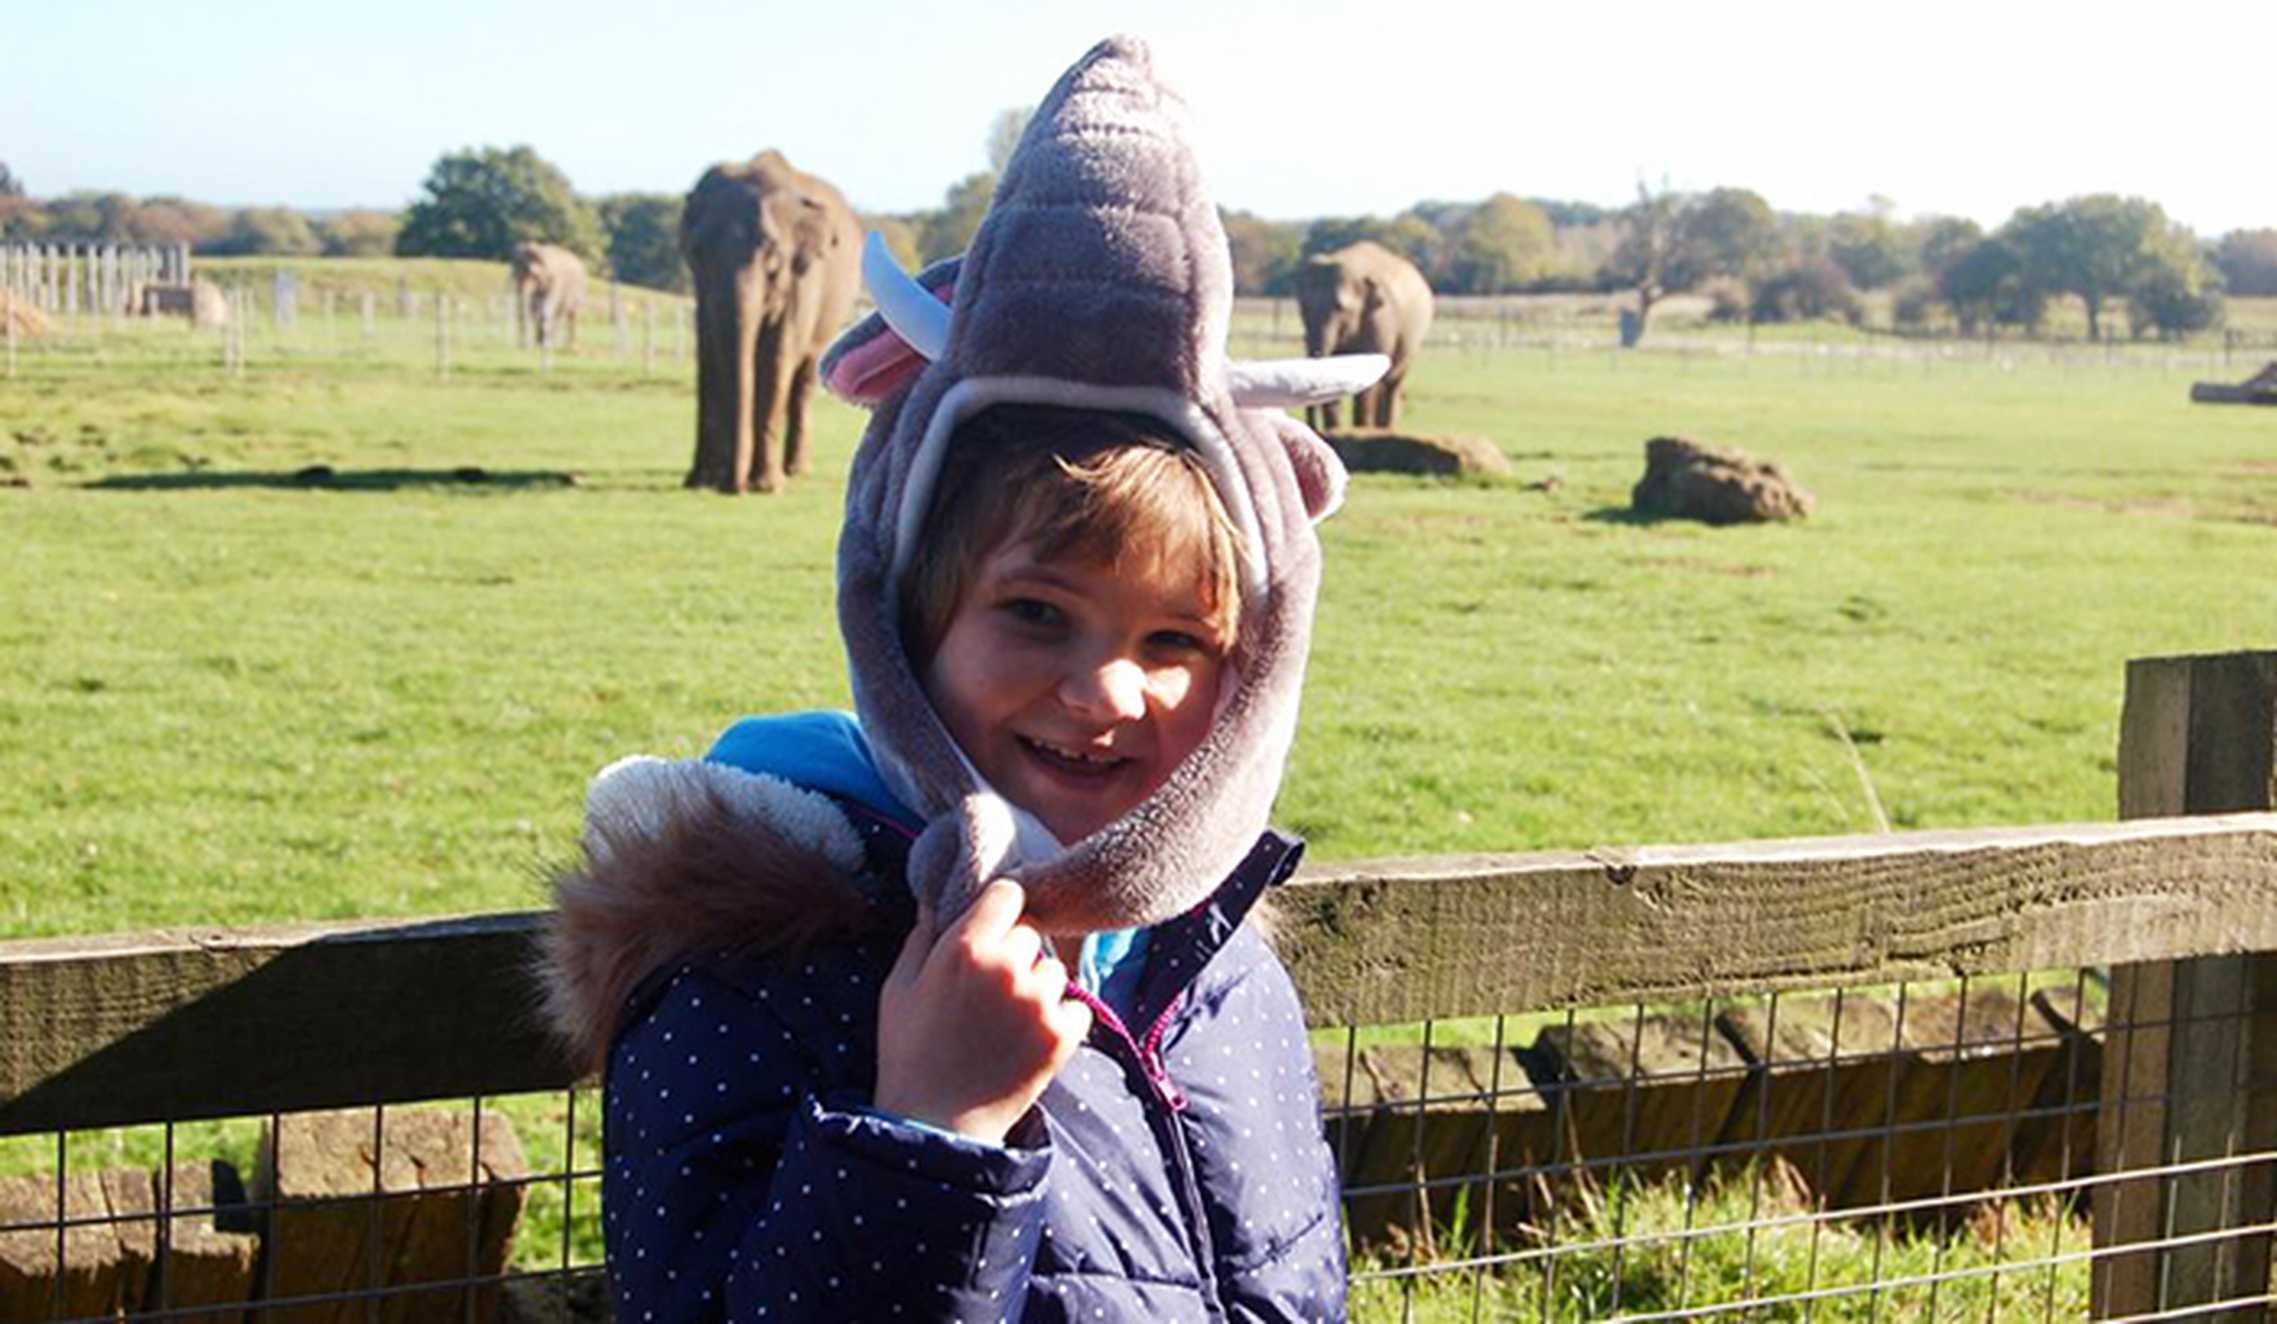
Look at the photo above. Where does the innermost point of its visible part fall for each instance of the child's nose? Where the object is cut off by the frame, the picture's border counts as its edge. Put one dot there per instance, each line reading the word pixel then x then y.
pixel 1114 690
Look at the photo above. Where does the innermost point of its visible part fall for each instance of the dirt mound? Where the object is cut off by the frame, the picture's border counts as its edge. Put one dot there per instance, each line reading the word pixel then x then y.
pixel 1686 479
pixel 1386 450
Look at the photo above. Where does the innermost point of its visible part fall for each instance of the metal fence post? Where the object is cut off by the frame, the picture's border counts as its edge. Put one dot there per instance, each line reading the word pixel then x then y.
pixel 2190 1064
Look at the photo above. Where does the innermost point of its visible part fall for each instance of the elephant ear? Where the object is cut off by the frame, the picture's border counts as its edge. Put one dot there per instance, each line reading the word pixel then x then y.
pixel 869 361
pixel 811 233
pixel 1320 471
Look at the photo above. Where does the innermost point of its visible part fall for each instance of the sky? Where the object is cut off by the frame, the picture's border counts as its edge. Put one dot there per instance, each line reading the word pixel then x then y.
pixel 1299 109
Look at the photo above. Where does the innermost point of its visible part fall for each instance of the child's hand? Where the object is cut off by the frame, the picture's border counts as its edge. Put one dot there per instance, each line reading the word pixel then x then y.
pixel 971 1024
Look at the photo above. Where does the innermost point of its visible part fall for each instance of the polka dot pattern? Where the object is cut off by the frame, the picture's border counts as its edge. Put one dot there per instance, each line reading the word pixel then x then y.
pixel 746 1179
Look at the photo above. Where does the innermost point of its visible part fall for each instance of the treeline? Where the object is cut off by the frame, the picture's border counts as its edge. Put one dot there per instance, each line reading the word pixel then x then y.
pixel 1753 263
pixel 1759 265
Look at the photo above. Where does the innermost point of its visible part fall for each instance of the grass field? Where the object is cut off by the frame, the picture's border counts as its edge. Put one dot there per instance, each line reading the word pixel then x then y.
pixel 228 695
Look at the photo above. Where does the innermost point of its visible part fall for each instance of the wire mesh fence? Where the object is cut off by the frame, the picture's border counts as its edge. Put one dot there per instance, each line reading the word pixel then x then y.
pixel 2008 1073
pixel 1909 1151
pixel 484 1210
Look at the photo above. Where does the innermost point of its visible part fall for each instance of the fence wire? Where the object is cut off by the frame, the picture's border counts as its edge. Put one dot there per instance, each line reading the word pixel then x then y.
pixel 1921 1151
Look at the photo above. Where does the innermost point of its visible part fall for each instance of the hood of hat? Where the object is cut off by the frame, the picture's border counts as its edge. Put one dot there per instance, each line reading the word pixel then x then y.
pixel 1100 278
pixel 1101 258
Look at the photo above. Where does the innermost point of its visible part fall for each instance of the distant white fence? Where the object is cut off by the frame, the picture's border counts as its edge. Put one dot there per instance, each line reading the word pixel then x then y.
pixel 68 278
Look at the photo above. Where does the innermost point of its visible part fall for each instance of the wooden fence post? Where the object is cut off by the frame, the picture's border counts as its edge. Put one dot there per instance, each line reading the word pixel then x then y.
pixel 2190 1064
pixel 442 339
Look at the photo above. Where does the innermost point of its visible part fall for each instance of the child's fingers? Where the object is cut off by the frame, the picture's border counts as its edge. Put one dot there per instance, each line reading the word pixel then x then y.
pixel 1021 946
pixel 990 915
pixel 1071 1019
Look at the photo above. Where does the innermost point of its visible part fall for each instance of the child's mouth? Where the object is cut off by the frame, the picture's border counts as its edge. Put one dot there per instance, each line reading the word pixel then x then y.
pixel 1072 762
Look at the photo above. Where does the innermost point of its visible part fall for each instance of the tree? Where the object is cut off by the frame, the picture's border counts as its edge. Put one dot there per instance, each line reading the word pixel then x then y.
pixel 266 231
pixel 1989 284
pixel 1870 250
pixel 1330 233
pixel 482 201
pixel 96 217
pixel 1942 241
pixel 1503 243
pixel 949 231
pixel 1265 253
pixel 1671 242
pixel 1645 260
pixel 2091 246
pixel 2247 260
pixel 1803 291
pixel 1564 215
pixel 2172 294
pixel 359 234
pixel 1724 232
pixel 10 186
pixel 644 239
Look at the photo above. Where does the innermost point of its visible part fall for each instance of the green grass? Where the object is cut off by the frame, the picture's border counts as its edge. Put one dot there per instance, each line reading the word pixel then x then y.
pixel 227 698
pixel 1664 1248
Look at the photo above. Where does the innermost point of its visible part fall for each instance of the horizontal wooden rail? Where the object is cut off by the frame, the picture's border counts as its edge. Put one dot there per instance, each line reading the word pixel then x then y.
pixel 186 1024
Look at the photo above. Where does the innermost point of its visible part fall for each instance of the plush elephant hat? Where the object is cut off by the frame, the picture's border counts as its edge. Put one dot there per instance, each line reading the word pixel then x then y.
pixel 1099 279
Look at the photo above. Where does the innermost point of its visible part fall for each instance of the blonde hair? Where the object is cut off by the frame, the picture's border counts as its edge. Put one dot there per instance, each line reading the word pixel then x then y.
pixel 1077 484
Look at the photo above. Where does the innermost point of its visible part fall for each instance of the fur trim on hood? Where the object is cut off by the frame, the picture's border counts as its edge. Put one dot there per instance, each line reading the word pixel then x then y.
pixel 684 857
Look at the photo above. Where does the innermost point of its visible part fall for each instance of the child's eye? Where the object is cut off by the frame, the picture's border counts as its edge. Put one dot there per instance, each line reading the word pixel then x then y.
pixel 1179 641
pixel 1032 611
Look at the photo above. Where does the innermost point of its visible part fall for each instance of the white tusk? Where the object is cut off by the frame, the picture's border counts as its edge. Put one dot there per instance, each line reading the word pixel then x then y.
pixel 908 307
pixel 1278 383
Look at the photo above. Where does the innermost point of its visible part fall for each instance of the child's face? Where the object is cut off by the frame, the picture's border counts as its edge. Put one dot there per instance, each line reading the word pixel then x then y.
pixel 1075 688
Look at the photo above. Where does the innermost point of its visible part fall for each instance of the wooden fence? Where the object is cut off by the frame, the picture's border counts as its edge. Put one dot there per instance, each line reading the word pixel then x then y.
pixel 2179 902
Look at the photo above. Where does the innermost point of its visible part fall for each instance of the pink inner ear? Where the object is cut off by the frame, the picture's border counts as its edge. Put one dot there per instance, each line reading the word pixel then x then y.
pixel 876 370
pixel 1320 474
pixel 882 365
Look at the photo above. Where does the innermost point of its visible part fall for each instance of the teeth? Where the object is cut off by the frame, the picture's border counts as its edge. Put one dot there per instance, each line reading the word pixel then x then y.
pixel 1074 755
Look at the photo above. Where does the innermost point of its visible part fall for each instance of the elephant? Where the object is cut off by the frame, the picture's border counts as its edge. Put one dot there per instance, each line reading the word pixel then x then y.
pixel 776 256
pixel 1364 299
pixel 549 287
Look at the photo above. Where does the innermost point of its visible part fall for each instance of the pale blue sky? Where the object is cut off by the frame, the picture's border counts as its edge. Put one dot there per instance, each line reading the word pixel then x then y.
pixel 1301 109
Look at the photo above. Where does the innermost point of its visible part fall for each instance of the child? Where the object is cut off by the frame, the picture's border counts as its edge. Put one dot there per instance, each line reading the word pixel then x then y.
pixel 848 1075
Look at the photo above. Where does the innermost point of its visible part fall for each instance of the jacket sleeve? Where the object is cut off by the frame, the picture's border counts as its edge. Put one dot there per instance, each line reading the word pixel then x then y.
pixel 738 1187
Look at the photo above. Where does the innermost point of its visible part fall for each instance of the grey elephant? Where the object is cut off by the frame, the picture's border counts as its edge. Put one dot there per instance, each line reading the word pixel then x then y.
pixel 1364 299
pixel 549 288
pixel 776 256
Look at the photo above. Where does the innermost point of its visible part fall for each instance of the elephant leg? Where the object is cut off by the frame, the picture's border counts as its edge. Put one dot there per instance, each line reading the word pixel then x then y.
pixel 759 451
pixel 1329 414
pixel 716 387
pixel 1312 417
pixel 1386 400
pixel 794 418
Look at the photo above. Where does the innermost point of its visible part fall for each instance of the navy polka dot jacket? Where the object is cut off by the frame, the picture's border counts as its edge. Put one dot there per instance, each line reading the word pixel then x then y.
pixel 1175 1171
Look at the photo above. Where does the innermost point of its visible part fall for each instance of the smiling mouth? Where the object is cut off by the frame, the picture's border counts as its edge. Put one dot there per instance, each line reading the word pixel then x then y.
pixel 1073 762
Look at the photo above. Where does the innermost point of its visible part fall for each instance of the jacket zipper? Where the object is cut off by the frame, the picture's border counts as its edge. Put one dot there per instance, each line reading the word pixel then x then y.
pixel 1148 1053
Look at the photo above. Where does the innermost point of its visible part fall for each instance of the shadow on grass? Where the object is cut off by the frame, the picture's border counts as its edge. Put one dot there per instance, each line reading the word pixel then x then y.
pixel 1627 515
pixel 323 477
